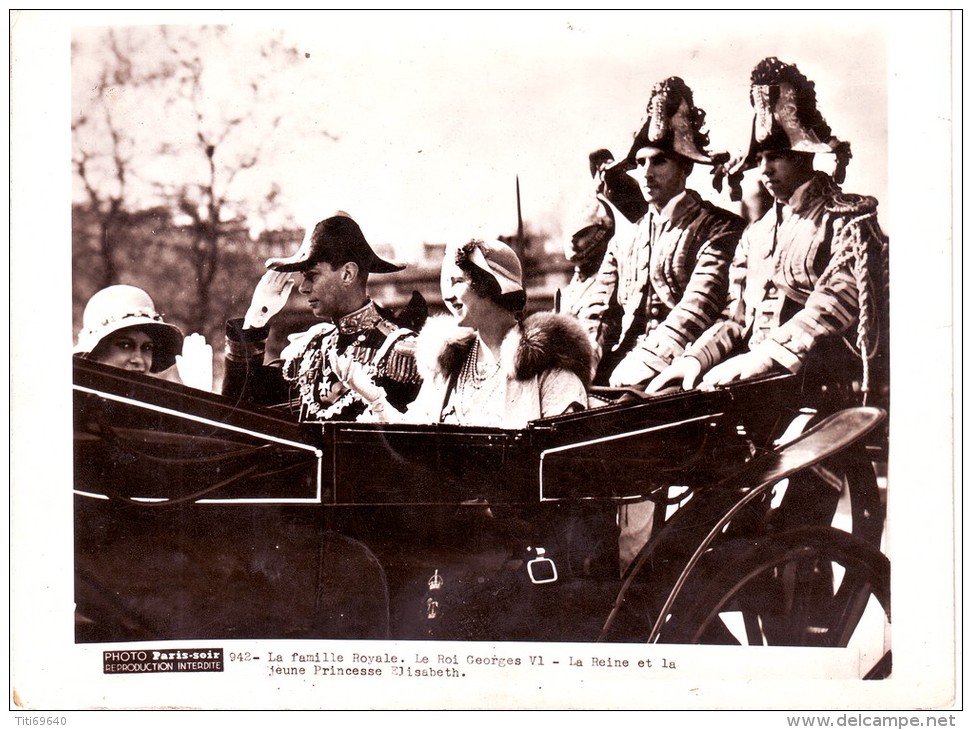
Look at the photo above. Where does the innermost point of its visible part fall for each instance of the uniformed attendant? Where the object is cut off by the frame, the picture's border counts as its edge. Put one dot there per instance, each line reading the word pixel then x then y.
pixel 808 283
pixel 613 192
pixel 668 274
pixel 585 249
pixel 334 262
pixel 663 280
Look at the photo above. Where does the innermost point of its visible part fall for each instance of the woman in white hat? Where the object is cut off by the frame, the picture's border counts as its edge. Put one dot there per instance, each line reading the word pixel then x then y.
pixel 487 365
pixel 122 328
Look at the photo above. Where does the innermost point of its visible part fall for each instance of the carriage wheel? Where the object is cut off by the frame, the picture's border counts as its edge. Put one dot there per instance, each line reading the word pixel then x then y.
pixel 805 587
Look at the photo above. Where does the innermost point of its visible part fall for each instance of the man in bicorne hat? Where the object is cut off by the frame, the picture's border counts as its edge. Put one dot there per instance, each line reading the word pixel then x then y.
pixel 334 261
pixel 808 284
pixel 667 274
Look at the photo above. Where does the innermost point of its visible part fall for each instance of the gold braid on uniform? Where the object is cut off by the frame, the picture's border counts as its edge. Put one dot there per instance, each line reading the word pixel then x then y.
pixel 399 365
pixel 854 253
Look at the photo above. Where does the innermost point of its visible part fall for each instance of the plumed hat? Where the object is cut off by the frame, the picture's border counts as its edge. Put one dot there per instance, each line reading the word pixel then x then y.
pixel 786 118
pixel 674 124
pixel 335 241
pixel 122 307
pixel 616 186
pixel 592 223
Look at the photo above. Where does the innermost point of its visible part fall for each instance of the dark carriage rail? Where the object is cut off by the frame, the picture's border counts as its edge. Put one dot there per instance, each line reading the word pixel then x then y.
pixel 157 443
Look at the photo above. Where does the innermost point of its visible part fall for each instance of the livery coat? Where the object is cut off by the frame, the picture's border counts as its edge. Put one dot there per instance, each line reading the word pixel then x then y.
pixel 546 366
pixel 669 288
pixel 808 288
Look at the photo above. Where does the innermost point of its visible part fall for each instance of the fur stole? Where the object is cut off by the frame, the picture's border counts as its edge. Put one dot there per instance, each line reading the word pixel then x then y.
pixel 546 341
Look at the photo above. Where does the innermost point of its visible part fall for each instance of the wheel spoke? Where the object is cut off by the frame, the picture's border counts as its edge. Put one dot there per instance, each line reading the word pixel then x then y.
pixel 754 631
pixel 805 587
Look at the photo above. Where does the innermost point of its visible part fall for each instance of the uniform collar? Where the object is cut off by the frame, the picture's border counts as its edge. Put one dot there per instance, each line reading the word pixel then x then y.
pixel 785 209
pixel 800 196
pixel 359 320
pixel 666 212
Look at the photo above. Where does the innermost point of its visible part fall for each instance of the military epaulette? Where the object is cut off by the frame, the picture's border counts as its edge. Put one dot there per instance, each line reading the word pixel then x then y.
pixel 399 364
pixel 850 203
pixel 405 346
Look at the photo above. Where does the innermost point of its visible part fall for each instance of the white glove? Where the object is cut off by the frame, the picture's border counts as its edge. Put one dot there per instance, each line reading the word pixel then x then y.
pixel 195 364
pixel 630 372
pixel 269 297
pixel 356 376
pixel 740 367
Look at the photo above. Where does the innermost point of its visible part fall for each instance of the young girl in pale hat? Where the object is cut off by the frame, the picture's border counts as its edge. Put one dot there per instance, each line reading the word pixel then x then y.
pixel 122 328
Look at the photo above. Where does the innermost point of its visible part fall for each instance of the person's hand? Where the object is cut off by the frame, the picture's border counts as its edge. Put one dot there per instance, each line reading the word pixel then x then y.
pixel 741 367
pixel 630 372
pixel 195 364
pixel 683 370
pixel 269 297
pixel 356 376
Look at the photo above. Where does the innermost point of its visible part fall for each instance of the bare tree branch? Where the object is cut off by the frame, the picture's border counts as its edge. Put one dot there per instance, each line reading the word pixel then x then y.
pixel 174 122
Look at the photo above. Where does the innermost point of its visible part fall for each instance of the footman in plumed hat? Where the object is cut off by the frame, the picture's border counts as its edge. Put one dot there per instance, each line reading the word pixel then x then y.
pixel 666 275
pixel 663 279
pixel 591 231
pixel 334 263
pixel 809 284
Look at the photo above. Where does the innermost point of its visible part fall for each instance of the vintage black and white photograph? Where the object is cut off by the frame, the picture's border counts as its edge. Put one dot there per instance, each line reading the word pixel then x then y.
pixel 483 360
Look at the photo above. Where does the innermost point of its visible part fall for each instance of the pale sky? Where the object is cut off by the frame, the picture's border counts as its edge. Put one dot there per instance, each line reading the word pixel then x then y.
pixel 436 114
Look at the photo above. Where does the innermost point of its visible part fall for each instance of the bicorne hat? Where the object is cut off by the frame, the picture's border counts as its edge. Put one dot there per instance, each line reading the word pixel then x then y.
pixel 674 124
pixel 335 241
pixel 786 117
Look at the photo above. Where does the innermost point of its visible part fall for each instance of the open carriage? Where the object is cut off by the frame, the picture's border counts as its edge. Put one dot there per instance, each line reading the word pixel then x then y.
pixel 200 517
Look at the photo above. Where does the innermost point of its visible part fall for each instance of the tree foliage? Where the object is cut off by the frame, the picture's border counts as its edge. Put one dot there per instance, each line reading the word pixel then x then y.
pixel 175 131
pixel 170 126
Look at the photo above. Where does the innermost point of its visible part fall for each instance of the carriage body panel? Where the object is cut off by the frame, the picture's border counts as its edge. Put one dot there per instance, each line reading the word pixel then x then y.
pixel 200 517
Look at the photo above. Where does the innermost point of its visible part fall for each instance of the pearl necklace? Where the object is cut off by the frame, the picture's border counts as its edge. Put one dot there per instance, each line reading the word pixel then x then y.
pixel 470 374
pixel 470 400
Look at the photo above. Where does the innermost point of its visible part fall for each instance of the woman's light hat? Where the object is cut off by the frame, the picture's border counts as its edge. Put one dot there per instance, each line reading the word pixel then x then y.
pixel 120 307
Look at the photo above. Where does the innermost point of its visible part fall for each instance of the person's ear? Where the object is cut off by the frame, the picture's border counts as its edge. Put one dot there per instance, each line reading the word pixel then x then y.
pixel 349 273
